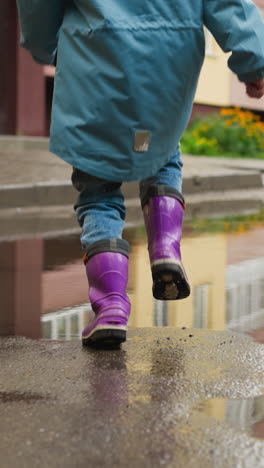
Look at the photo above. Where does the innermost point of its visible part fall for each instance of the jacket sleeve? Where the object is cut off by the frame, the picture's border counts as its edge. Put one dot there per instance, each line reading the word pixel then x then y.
pixel 40 21
pixel 238 28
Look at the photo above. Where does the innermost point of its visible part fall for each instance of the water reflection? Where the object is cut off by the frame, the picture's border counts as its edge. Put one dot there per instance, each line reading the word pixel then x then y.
pixel 245 414
pixel 46 278
pixel 245 298
pixel 66 324
pixel 227 288
pixel 21 265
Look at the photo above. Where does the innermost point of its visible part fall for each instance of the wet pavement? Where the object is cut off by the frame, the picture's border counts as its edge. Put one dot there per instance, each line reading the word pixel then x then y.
pixel 164 399
pixel 185 390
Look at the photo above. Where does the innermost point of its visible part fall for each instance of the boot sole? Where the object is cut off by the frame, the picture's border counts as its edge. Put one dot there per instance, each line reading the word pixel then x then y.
pixel 169 282
pixel 105 338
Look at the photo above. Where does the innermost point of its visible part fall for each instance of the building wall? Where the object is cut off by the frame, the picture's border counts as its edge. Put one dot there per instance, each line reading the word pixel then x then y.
pixel 238 95
pixel 260 4
pixel 218 86
pixel 214 83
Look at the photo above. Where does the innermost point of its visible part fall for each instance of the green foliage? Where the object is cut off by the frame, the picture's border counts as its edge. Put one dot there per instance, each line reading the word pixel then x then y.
pixel 232 133
pixel 240 223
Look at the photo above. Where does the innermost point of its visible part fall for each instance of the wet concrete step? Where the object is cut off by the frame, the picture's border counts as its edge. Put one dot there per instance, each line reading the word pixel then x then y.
pixel 164 399
pixel 211 204
pixel 49 221
pixel 225 203
pixel 222 180
pixel 62 192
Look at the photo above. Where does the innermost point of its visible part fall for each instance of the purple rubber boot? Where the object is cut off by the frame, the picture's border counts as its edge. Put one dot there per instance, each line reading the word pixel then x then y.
pixel 163 210
pixel 107 272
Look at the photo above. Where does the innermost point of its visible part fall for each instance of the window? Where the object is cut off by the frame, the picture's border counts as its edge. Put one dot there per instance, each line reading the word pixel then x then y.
pixel 160 314
pixel 201 295
pixel 209 44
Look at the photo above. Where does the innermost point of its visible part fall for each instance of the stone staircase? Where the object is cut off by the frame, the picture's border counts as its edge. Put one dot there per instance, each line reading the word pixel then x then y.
pixel 36 195
pixel 45 208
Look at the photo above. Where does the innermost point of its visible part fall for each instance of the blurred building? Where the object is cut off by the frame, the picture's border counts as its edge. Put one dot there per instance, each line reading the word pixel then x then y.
pixel 26 88
pixel 205 308
pixel 218 86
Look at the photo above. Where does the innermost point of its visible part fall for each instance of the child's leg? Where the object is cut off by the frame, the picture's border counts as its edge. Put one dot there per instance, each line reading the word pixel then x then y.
pixel 100 208
pixel 163 209
pixel 169 175
pixel 101 213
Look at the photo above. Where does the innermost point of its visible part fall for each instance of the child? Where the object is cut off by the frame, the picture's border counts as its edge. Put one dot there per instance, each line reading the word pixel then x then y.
pixel 125 81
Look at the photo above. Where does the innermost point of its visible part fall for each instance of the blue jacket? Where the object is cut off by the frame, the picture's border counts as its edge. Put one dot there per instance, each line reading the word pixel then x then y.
pixel 127 72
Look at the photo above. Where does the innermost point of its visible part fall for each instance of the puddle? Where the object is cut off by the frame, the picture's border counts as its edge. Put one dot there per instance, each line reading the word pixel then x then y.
pixel 247 414
pixel 46 278
pixel 226 272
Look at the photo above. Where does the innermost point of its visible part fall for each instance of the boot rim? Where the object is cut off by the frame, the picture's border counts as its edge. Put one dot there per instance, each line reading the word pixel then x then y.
pixel 157 190
pixel 107 245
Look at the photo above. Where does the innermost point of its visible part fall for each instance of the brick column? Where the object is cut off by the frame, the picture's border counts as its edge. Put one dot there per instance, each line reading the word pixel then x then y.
pixel 8 66
pixel 31 96
pixel 22 82
pixel 21 265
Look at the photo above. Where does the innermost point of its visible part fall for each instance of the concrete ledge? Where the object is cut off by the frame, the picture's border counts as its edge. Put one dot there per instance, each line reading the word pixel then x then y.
pixel 50 221
pixel 40 194
pixel 11 143
pixel 228 180
pixel 222 208
pixel 62 192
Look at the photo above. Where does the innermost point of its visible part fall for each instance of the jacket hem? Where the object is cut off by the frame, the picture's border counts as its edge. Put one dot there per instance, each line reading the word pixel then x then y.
pixel 97 172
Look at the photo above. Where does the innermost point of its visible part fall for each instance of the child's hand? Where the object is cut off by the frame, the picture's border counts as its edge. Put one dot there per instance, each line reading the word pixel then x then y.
pixel 255 89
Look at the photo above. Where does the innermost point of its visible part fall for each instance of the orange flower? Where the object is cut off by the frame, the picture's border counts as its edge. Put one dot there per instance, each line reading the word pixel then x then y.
pixel 227 112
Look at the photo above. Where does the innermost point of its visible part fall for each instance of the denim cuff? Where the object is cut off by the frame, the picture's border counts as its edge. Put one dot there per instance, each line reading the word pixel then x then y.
pixel 161 191
pixel 107 245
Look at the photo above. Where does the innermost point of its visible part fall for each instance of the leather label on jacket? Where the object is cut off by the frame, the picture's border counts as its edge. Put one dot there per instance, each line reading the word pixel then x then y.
pixel 142 141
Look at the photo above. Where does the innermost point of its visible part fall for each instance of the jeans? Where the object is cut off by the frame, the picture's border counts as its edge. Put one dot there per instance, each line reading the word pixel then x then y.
pixel 100 207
